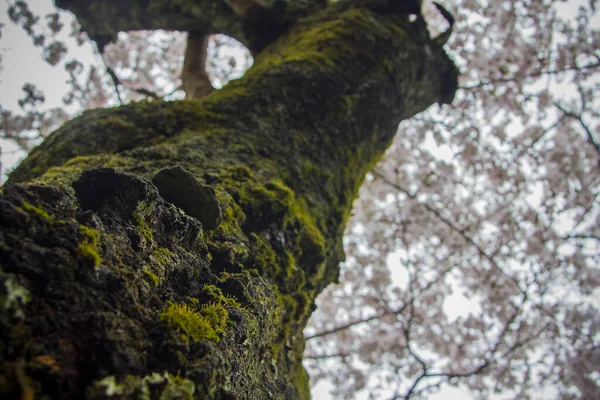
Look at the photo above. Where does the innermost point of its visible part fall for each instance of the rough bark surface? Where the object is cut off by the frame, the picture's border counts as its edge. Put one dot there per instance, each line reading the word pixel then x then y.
pixel 113 285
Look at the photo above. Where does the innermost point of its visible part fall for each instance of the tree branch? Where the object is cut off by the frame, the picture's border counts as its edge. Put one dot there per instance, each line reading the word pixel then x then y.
pixel 354 323
pixel 254 23
pixel 506 79
pixel 579 119
pixel 453 375
pixel 327 356
pixel 194 78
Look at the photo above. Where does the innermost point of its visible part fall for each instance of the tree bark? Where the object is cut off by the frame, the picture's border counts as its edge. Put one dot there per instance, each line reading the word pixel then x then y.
pixel 176 248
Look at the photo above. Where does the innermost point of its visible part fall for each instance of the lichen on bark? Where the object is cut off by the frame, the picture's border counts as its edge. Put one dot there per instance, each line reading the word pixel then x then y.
pixel 125 287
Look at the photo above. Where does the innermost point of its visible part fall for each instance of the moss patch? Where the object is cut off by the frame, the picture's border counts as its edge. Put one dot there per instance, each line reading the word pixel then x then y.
pixel 154 386
pixel 275 203
pixel 15 297
pixel 139 216
pixel 31 209
pixel 195 326
pixel 218 296
pixel 151 277
pixel 161 256
pixel 88 246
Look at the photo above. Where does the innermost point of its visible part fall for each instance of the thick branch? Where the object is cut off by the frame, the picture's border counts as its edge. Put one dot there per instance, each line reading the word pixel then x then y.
pixel 254 23
pixel 456 229
pixel 194 78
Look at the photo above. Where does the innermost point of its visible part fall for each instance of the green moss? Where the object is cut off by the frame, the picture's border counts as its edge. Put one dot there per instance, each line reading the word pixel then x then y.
pixel 266 204
pixel 264 258
pixel 225 276
pixel 151 277
pixel 217 315
pixel 234 91
pixel 317 45
pixel 69 171
pixel 161 255
pixel 276 203
pixel 177 388
pixel 89 244
pixel 15 298
pixel 290 265
pixel 270 249
pixel 114 122
pixel 312 244
pixel 240 173
pixel 155 385
pixel 233 218
pixel 192 325
pixel 31 209
pixel 219 297
pixel 301 380
pixel 139 216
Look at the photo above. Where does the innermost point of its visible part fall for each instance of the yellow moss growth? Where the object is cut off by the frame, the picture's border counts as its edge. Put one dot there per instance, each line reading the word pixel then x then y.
pixel 164 386
pixel 89 245
pixel 31 209
pixel 151 277
pixel 141 211
pixel 196 326
pixel 218 295
pixel 161 255
pixel 217 315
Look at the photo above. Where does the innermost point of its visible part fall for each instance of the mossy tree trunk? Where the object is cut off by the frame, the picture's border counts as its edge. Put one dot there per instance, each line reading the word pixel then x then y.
pixel 177 248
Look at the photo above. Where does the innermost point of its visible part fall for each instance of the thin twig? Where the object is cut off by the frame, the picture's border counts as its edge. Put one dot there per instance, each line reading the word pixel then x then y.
pixel 115 80
pixel 455 228
pixel 485 82
pixel 579 118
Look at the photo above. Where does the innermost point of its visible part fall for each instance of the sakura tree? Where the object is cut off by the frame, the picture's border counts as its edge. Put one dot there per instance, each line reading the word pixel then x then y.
pixel 474 248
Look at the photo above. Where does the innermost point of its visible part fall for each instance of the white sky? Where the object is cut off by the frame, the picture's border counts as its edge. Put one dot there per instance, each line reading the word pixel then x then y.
pixel 22 62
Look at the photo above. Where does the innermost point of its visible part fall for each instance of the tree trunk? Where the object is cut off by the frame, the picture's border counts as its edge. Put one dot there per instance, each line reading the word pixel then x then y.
pixel 176 248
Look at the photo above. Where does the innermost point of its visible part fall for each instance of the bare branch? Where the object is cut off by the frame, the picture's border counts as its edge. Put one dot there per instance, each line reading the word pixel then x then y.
pixel 579 119
pixel 508 79
pixel 455 228
pixel 195 81
pixel 327 356
pixel 355 323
